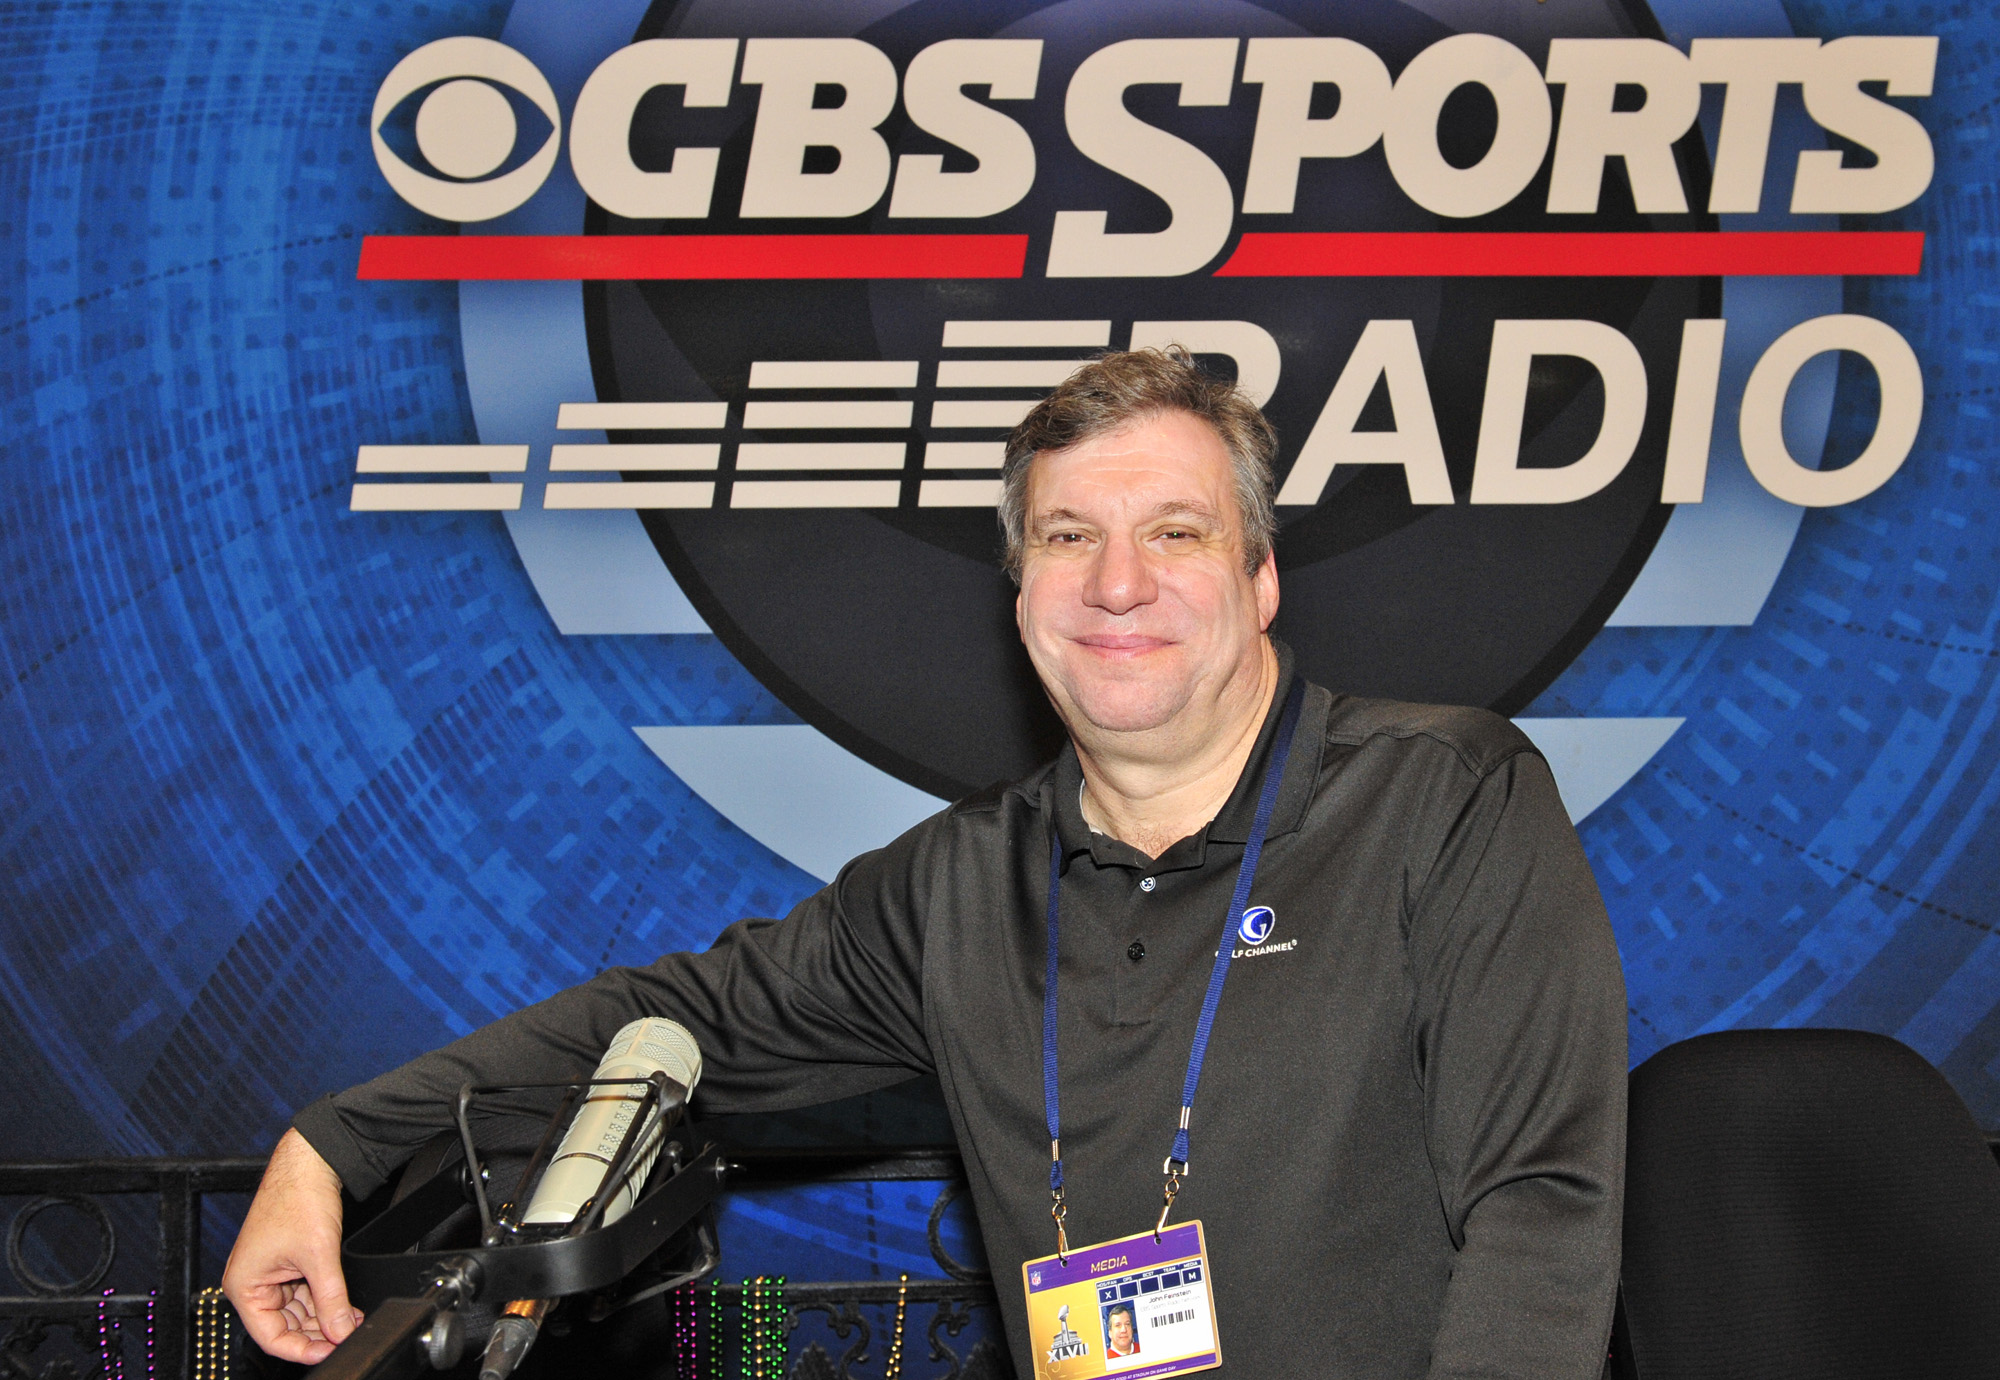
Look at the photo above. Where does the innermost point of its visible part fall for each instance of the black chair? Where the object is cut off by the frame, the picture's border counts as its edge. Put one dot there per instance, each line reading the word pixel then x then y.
pixel 1806 1203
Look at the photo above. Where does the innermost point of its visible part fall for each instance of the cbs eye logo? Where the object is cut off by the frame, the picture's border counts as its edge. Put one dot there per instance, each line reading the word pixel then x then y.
pixel 465 128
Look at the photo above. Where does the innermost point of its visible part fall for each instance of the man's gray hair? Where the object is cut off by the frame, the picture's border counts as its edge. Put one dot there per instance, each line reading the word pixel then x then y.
pixel 1126 386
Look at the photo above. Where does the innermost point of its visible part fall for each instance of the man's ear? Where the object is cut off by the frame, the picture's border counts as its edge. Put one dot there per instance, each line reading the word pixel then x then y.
pixel 1265 582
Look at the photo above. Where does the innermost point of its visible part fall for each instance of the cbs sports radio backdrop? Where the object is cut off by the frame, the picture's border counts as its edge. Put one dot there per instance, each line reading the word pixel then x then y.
pixel 495 491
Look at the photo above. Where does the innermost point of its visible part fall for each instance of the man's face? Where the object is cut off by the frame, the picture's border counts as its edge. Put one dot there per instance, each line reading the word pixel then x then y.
pixel 1121 1330
pixel 1134 602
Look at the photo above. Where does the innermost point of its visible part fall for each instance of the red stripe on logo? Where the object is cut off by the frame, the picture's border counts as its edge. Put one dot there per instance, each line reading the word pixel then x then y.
pixel 1260 254
pixel 1577 254
pixel 573 258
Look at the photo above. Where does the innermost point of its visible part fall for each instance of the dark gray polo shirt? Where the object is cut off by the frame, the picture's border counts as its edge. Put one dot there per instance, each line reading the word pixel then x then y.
pixel 1408 1147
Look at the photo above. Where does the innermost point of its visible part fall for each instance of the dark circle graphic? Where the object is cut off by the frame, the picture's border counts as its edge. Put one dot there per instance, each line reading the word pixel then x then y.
pixel 891 629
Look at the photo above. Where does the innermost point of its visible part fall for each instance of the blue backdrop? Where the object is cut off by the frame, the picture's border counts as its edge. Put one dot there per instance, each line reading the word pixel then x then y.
pixel 291 792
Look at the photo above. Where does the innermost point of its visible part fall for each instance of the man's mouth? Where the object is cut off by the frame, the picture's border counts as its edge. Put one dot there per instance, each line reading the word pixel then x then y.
pixel 1121 644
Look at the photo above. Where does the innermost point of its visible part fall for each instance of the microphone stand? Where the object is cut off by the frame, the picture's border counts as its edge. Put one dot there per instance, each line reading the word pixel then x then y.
pixel 415 1323
pixel 402 1338
pixel 521 1321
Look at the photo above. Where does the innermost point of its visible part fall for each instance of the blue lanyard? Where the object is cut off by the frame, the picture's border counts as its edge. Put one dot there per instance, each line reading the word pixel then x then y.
pixel 1176 1164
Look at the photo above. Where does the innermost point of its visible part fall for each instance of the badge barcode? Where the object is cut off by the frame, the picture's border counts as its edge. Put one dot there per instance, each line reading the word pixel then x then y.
pixel 1169 1319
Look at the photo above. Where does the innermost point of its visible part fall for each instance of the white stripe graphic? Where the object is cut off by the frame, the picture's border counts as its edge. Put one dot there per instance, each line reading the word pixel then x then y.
pixel 651 493
pixel 1046 335
pixel 821 455
pixel 816 493
pixel 964 455
pixel 1592 758
pixel 1005 373
pixel 435 498
pixel 642 416
pixel 698 455
pixel 833 373
pixel 441 460
pixel 958 493
pixel 1005 413
pixel 776 416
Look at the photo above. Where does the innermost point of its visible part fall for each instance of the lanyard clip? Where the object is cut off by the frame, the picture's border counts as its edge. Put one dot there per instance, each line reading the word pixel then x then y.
pixel 1058 1209
pixel 1174 1170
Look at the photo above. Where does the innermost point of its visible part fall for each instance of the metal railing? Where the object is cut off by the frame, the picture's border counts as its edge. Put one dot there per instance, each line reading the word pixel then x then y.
pixel 161 1320
pixel 130 1333
pixel 951 1298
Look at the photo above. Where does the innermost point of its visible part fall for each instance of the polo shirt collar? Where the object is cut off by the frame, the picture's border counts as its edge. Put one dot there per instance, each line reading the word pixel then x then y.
pixel 1232 823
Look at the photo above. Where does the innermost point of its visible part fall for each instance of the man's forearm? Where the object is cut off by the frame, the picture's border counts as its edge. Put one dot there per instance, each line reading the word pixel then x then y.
pixel 774 1006
pixel 366 1132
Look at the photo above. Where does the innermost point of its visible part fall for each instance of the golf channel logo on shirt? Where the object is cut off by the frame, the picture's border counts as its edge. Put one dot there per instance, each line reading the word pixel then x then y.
pixel 767 326
pixel 1255 930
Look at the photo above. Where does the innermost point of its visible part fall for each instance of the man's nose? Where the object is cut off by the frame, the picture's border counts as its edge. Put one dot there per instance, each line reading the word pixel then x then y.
pixel 1121 579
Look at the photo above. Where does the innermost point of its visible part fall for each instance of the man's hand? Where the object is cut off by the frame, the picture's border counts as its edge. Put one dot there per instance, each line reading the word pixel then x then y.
pixel 283 1275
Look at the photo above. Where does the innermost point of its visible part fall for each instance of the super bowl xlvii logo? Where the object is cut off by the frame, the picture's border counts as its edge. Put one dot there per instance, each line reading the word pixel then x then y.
pixel 1068 1345
pixel 1510 305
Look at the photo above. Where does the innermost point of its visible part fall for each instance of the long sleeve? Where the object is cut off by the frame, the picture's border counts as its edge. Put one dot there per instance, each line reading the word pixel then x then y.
pixel 1521 1044
pixel 823 1004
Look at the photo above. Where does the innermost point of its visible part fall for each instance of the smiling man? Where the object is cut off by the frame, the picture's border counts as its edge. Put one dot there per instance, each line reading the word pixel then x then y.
pixel 1121 1332
pixel 1406 1155
pixel 1142 611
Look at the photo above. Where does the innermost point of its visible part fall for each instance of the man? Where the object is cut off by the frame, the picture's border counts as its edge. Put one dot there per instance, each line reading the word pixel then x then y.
pixel 1407 1154
pixel 1121 1336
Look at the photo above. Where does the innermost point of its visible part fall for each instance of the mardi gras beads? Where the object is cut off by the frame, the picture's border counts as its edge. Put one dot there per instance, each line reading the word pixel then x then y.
pixel 894 1369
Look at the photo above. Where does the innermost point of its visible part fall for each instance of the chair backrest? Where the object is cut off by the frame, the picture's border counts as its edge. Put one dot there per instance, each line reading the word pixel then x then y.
pixel 1806 1203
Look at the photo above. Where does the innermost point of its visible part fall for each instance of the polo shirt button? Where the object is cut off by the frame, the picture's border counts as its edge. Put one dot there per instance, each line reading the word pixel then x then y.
pixel 1136 950
pixel 1148 883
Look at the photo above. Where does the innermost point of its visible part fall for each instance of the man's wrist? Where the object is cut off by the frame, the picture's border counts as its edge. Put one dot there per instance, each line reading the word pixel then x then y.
pixel 298 1164
pixel 320 1126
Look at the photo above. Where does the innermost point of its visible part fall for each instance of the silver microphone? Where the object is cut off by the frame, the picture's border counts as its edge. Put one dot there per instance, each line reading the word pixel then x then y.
pixel 576 1174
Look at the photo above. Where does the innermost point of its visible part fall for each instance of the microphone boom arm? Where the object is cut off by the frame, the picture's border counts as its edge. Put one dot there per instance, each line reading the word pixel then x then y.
pixel 415 1292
